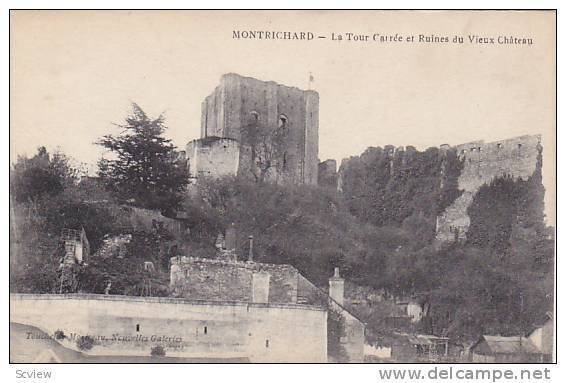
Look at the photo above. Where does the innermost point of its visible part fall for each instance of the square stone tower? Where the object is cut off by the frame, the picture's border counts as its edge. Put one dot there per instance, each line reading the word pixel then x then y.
pixel 276 126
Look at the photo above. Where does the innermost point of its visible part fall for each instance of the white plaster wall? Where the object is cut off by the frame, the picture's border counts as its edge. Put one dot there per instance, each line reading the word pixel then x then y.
pixel 294 333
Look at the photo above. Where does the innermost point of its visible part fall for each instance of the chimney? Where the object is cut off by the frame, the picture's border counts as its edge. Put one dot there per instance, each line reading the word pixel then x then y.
pixel 251 251
pixel 336 287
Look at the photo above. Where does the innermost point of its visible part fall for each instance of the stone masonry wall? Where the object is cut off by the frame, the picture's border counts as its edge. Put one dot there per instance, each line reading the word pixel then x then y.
pixel 239 102
pixel 327 174
pixel 218 280
pixel 516 157
pixel 213 157
pixel 140 219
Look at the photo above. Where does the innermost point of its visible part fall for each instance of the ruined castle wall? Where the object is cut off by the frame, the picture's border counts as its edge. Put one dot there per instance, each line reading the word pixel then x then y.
pixel 217 280
pixel 341 174
pixel 212 157
pixel 327 175
pixel 291 103
pixel 239 102
pixel 483 162
pixel 233 117
pixel 211 115
pixel 143 219
pixel 283 282
pixel 203 117
pixel 311 138
pixel 185 328
pixel 210 280
pixel 140 219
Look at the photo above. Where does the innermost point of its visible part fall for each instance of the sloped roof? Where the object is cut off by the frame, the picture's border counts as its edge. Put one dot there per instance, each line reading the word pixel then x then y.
pixel 510 344
pixel 423 339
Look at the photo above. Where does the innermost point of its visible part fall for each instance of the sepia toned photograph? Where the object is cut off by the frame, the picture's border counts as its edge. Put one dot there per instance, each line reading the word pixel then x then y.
pixel 286 186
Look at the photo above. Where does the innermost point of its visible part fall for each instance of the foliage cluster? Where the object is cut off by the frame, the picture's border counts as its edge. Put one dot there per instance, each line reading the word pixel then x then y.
pixel 379 230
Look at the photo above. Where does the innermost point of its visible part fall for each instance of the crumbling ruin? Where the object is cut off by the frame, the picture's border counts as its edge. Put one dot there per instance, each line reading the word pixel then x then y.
pixel 516 157
pixel 76 254
pixel 480 163
pixel 257 129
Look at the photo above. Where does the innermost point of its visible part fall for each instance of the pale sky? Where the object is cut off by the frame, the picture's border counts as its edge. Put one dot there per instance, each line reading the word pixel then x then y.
pixel 74 73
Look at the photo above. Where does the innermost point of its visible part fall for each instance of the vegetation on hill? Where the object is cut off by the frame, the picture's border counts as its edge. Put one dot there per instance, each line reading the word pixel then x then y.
pixel 499 282
pixel 37 220
pixel 39 204
pixel 379 231
pixel 513 252
pixel 384 186
pixel 307 227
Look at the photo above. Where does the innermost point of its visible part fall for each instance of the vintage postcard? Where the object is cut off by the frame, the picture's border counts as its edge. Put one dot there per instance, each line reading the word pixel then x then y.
pixel 282 186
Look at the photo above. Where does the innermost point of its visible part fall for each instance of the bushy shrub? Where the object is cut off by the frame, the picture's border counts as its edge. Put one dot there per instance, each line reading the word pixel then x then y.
pixel 59 335
pixel 85 343
pixel 157 350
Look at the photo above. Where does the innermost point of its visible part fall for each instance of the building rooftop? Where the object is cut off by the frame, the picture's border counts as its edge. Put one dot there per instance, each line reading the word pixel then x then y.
pixel 510 344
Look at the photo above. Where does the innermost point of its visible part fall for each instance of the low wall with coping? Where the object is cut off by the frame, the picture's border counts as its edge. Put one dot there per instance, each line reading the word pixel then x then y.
pixel 124 325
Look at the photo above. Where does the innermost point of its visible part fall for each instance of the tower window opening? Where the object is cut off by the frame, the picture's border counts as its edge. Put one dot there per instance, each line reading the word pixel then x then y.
pixel 267 343
pixel 137 328
pixel 282 122
pixel 499 146
pixel 205 330
pixel 255 115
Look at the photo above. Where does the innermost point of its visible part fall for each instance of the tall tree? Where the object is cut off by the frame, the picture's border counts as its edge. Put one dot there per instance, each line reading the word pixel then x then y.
pixel 145 168
pixel 43 174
